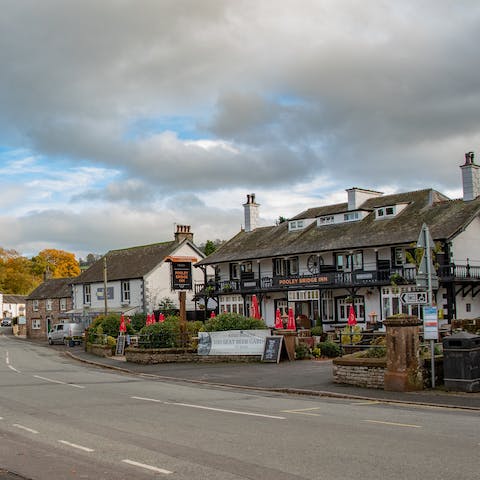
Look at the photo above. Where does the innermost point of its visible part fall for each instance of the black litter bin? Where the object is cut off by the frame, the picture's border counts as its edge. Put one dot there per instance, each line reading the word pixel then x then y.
pixel 461 362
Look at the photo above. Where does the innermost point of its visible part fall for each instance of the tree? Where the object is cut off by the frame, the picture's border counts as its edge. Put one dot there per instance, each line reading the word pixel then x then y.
pixel 59 263
pixel 209 247
pixel 16 273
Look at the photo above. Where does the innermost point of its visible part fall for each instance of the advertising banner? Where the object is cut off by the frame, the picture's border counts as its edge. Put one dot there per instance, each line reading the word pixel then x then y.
pixel 232 342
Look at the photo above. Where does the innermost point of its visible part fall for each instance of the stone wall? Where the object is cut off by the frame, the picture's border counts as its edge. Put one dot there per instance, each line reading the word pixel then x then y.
pixel 99 350
pixel 361 372
pixel 179 355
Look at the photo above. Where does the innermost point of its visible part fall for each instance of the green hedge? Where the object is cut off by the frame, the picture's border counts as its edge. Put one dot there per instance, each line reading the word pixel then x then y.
pixel 233 321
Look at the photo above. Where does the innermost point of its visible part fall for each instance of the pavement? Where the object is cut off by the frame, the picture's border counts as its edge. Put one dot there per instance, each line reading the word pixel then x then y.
pixel 301 377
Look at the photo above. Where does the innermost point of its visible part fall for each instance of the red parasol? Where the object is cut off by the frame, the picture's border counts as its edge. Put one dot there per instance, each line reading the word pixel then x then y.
pixel 161 318
pixel 153 319
pixel 123 326
pixel 212 315
pixel 352 319
pixel 255 308
pixel 291 320
pixel 278 319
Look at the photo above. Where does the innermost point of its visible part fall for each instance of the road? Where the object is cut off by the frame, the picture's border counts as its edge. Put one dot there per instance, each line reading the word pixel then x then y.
pixel 63 420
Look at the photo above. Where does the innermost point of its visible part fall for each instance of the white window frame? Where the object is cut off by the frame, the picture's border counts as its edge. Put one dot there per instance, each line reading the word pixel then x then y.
pixel 36 324
pixel 63 304
pixel 231 304
pixel 48 304
pixel 351 216
pixel 296 225
pixel 343 309
pixel 328 306
pixel 385 212
pixel 326 220
pixel 35 306
pixel 126 291
pixel 87 294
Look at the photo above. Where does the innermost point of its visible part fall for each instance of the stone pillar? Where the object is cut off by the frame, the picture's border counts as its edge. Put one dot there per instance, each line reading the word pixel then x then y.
pixel 403 372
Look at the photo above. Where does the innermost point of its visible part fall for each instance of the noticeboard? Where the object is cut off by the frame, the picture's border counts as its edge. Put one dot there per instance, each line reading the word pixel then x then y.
pixel 181 276
pixel 120 349
pixel 272 349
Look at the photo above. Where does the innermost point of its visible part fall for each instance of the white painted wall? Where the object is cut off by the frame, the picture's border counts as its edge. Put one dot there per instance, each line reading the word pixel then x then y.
pixel 467 245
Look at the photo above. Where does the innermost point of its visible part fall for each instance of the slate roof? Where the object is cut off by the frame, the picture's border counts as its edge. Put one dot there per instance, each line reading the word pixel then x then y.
pixel 7 298
pixel 128 263
pixel 444 217
pixel 53 288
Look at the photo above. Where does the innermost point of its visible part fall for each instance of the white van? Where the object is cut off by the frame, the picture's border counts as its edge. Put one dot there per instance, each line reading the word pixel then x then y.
pixel 67 333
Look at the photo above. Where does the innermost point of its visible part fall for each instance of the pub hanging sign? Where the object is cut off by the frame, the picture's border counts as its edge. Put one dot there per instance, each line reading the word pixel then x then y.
pixel 181 275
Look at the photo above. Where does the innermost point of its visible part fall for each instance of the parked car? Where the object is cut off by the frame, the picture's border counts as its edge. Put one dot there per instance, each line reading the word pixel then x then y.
pixel 6 322
pixel 67 333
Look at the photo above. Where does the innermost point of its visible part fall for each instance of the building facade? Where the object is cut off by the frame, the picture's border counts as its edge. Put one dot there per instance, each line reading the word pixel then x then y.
pixel 12 306
pixel 138 279
pixel 48 305
pixel 362 252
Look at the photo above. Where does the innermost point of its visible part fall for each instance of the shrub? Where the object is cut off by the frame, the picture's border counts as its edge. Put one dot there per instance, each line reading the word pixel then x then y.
pixel 302 351
pixel 329 349
pixel 233 321
pixel 316 331
pixel 194 327
pixel 106 325
pixel 138 321
pixel 375 352
pixel 161 335
pixel 317 352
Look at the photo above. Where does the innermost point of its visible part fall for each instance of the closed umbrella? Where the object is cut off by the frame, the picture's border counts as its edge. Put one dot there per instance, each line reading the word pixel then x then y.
pixel 278 319
pixel 352 319
pixel 291 320
pixel 161 318
pixel 255 307
pixel 123 326
pixel 212 315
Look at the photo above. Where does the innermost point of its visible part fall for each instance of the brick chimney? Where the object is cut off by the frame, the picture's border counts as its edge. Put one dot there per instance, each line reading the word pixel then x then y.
pixel 183 233
pixel 470 177
pixel 251 213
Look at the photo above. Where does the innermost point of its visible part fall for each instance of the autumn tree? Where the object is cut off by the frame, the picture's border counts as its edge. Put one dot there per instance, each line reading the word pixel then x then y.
pixel 59 263
pixel 16 273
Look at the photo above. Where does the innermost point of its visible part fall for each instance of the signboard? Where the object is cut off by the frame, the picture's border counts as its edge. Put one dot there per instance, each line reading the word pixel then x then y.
pixel 181 275
pixel 272 350
pixel 232 342
pixel 109 293
pixel 413 298
pixel 430 323
pixel 22 320
pixel 120 349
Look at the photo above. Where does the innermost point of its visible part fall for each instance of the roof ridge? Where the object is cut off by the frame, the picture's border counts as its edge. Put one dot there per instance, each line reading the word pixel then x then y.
pixel 142 246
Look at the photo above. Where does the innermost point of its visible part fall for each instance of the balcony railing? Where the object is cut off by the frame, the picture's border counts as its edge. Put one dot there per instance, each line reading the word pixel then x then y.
pixel 338 279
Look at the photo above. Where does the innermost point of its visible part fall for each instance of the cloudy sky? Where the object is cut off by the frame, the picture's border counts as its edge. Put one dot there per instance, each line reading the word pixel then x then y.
pixel 120 118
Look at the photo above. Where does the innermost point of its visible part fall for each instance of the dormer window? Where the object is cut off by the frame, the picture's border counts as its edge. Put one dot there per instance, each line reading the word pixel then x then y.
pixel 384 212
pixel 351 216
pixel 296 225
pixel 327 220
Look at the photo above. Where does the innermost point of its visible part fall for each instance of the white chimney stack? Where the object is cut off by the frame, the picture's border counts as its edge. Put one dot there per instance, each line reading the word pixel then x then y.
pixel 251 213
pixel 470 177
pixel 356 196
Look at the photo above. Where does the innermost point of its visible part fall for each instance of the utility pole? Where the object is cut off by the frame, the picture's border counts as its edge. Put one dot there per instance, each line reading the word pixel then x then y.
pixel 105 285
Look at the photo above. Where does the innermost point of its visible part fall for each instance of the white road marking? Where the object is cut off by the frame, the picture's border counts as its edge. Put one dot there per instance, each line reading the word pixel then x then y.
pixel 6 358
pixel 31 430
pixel 394 424
pixel 58 381
pixel 372 402
pixel 304 411
pixel 236 412
pixel 148 467
pixel 74 445
pixel 14 369
pixel 147 399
